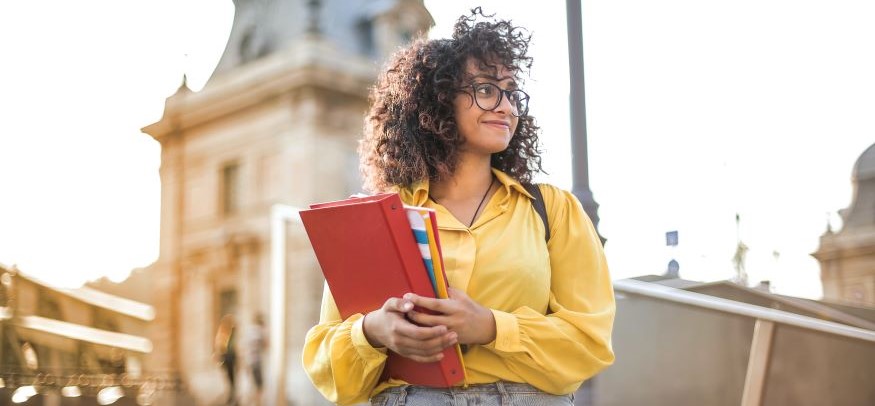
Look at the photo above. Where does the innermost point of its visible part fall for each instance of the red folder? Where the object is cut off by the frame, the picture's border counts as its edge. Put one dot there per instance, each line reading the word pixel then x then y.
pixel 368 253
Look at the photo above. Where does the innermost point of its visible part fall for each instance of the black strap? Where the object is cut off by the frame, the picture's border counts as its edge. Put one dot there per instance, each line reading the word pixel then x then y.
pixel 540 208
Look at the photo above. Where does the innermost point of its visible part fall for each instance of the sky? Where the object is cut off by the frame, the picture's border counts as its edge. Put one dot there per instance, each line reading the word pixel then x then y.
pixel 696 111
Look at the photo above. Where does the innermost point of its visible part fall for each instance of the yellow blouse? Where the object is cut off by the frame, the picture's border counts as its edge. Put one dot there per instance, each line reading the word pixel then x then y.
pixel 553 303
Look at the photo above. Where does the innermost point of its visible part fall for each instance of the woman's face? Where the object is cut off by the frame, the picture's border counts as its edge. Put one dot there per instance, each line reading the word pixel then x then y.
pixel 485 131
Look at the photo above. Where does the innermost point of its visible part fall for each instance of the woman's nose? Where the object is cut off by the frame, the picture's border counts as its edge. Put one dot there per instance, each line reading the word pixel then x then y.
pixel 504 105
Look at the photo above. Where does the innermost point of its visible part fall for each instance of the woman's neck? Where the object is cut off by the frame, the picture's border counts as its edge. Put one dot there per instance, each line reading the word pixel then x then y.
pixel 470 179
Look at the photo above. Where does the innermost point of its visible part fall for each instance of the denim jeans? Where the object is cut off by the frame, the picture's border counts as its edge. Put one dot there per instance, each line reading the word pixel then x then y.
pixel 491 394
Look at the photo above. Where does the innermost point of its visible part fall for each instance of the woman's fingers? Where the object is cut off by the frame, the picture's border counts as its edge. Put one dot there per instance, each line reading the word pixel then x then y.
pixel 424 348
pixel 399 305
pixel 426 319
pixel 437 305
pixel 436 336
pixel 422 333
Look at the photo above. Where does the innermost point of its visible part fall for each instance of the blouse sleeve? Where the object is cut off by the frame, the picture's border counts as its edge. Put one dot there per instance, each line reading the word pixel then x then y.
pixel 337 357
pixel 558 351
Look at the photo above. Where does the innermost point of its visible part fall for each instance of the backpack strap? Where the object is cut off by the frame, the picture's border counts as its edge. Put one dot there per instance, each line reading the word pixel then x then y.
pixel 540 208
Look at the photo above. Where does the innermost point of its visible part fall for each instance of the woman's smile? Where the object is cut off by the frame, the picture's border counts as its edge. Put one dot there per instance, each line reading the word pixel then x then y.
pixel 500 124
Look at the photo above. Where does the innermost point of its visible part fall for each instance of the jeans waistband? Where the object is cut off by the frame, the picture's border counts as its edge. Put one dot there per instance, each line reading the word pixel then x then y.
pixel 501 387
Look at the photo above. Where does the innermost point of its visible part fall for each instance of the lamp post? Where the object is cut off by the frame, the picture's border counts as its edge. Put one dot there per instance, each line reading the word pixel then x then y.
pixel 579 158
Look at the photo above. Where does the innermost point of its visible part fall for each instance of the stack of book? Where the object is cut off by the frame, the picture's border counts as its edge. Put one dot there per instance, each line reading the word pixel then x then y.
pixel 373 248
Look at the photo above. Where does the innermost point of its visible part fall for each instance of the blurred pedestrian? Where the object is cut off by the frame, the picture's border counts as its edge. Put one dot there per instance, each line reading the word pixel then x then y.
pixel 256 345
pixel 226 354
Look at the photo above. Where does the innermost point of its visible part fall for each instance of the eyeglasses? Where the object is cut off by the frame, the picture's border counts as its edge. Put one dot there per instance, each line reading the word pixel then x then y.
pixel 488 96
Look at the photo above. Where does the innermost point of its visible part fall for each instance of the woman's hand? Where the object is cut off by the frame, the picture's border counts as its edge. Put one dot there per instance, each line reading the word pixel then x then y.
pixel 473 323
pixel 388 327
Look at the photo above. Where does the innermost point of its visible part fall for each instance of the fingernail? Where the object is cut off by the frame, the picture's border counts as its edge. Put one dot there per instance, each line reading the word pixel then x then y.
pixel 407 306
pixel 440 356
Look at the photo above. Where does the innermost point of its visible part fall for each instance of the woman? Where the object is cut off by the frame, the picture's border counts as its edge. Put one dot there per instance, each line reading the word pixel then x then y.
pixel 448 129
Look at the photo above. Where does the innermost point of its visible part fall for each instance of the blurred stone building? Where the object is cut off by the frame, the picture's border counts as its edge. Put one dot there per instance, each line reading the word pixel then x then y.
pixel 847 257
pixel 277 123
pixel 63 346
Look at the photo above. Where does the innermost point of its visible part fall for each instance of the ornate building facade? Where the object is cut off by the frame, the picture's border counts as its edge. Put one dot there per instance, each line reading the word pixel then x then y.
pixel 847 257
pixel 276 124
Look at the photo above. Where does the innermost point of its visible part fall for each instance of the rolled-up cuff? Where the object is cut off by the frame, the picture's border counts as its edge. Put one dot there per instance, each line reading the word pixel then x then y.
pixel 507 332
pixel 362 346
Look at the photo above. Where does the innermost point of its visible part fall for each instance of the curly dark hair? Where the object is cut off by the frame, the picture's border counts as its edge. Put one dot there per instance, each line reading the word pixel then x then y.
pixel 410 131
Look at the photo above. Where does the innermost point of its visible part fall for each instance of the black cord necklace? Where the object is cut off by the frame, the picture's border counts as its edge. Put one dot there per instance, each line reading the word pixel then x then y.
pixel 477 210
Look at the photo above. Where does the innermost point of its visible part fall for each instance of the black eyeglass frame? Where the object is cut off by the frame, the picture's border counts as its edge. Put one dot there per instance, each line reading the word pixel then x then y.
pixel 501 94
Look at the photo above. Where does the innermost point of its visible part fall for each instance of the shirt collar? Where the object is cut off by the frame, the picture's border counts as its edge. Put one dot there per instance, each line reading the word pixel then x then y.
pixel 417 193
pixel 511 183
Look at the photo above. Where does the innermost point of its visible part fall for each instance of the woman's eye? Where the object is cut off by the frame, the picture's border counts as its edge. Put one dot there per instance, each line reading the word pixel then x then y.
pixel 485 90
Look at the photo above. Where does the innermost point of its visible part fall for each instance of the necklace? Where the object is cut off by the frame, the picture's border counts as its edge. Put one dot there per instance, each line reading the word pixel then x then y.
pixel 477 210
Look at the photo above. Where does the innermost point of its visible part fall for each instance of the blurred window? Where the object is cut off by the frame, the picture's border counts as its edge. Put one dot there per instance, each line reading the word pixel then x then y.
pixel 230 188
